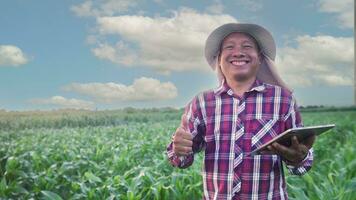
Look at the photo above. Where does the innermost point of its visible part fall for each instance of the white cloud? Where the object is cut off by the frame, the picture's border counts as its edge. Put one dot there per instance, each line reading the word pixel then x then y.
pixel 344 9
pixel 120 53
pixel 102 7
pixel 165 44
pixel 84 9
pixel 317 60
pixel 332 79
pixel 142 89
pixel 12 55
pixel 64 103
pixel 216 8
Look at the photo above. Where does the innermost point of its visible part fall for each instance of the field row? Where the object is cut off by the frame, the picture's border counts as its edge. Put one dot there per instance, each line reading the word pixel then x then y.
pixel 128 161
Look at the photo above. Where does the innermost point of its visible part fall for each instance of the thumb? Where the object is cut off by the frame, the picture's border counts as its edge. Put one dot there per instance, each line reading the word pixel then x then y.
pixel 184 122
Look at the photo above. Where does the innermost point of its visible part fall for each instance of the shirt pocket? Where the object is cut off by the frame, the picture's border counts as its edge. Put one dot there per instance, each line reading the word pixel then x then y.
pixel 259 131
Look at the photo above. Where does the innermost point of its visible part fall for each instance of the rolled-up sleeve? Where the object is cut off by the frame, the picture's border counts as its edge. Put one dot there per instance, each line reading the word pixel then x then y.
pixel 179 161
pixel 293 119
pixel 304 166
pixel 196 128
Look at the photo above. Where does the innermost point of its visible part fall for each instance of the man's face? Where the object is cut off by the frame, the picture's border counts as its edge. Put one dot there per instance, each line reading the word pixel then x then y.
pixel 239 57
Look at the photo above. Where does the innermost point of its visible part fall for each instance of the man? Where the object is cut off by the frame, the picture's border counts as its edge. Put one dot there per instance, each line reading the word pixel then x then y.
pixel 250 107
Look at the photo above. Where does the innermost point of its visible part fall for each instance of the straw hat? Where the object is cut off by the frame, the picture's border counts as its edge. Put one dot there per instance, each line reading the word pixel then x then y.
pixel 267 72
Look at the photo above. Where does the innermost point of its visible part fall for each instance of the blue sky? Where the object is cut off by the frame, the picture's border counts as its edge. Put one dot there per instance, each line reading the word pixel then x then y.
pixel 108 54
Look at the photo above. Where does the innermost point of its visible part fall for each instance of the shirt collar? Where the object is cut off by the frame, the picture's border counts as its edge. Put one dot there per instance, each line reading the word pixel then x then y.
pixel 257 86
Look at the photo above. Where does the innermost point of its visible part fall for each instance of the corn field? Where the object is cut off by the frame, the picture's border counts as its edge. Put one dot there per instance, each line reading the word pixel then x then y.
pixel 121 155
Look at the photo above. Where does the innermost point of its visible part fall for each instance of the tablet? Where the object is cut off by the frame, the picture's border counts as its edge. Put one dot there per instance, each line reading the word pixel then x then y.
pixel 301 133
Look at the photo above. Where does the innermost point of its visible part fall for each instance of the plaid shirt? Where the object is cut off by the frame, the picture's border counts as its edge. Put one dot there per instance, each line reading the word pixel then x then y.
pixel 228 128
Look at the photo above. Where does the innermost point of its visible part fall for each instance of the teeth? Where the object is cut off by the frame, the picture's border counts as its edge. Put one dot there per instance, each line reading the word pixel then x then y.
pixel 239 62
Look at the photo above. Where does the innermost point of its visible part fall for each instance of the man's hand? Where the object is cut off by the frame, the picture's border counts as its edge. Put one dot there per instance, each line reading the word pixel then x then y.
pixel 182 139
pixel 296 152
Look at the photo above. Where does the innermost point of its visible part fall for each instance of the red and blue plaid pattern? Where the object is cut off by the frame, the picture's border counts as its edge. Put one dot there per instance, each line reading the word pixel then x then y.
pixel 228 128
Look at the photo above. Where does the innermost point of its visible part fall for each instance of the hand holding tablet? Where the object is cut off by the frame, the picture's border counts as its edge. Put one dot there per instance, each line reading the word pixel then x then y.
pixel 301 133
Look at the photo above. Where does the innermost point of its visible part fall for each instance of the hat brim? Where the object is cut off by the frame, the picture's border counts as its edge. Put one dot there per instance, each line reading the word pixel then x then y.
pixel 263 38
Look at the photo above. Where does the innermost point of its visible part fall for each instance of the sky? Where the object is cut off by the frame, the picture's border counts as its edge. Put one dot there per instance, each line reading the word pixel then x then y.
pixel 111 54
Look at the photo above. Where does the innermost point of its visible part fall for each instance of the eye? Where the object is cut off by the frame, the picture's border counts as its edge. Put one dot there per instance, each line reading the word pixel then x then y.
pixel 229 47
pixel 247 46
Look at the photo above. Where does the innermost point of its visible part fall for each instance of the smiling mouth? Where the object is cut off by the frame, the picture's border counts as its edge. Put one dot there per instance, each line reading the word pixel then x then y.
pixel 239 63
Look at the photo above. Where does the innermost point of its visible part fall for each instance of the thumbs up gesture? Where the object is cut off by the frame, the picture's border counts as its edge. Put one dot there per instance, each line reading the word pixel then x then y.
pixel 182 139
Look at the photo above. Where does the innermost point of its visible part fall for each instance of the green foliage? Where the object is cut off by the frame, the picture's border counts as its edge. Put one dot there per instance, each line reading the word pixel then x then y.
pixel 122 157
pixel 333 175
pixel 50 195
pixel 10 121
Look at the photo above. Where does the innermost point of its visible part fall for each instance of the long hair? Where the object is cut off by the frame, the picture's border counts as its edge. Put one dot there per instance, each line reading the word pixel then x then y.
pixel 219 73
pixel 267 72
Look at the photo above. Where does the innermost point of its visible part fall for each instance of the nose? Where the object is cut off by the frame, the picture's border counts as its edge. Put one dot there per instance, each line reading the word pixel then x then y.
pixel 238 52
